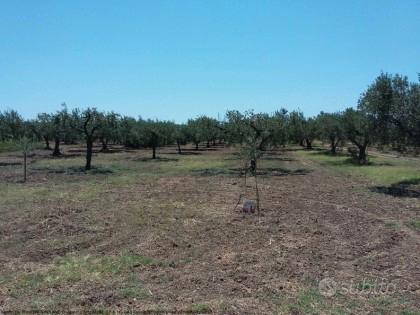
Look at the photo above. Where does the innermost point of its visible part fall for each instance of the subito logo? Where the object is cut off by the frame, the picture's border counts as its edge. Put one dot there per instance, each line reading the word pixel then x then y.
pixel 327 287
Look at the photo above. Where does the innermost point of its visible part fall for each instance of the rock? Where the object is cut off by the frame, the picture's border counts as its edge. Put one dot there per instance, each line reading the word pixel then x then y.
pixel 249 206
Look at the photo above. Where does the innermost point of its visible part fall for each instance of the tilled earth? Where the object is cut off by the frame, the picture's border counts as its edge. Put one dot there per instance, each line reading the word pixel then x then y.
pixel 200 253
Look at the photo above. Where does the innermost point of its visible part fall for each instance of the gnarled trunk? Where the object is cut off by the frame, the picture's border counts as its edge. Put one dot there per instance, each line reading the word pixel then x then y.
pixel 89 151
pixel 104 143
pixel 47 143
pixel 362 156
pixel 154 153
pixel 308 144
pixel 302 143
pixel 179 147
pixel 56 151
pixel 334 146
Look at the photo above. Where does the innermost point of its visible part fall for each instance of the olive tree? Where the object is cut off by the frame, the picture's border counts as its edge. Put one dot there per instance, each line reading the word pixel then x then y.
pixel 358 128
pixel 42 127
pixel 209 129
pixel 88 123
pixel 59 124
pixel 296 128
pixel 331 129
pixel 12 125
pixel 195 132
pixel 394 104
pixel 153 134
pixel 128 132
pixel 109 129
pixel 180 134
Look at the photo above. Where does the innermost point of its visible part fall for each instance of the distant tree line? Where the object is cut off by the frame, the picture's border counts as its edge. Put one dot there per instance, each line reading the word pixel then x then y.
pixel 387 114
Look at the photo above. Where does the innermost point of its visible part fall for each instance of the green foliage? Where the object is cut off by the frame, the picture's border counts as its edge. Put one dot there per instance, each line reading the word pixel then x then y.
pixel 109 124
pixel 257 130
pixel 393 103
pixel 251 131
pixel 42 128
pixel 128 132
pixel 180 135
pixel 303 130
pixel 12 125
pixel 414 224
pixel 358 128
pixel 388 114
pixel 8 146
pixel 25 144
pixel 331 129
pixel 195 131
pixel 297 127
pixel 209 129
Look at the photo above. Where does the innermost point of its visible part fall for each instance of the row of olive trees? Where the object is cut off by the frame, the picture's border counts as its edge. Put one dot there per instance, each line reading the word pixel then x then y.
pixel 92 126
pixel 388 113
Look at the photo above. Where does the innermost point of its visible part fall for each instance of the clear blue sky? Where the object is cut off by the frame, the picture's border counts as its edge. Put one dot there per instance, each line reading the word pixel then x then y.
pixel 178 59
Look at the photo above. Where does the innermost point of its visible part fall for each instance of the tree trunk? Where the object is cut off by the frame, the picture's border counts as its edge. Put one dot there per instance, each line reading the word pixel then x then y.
pixel 362 157
pixel 179 147
pixel 257 194
pixel 308 144
pixel 154 153
pixel 333 146
pixel 56 151
pixel 89 150
pixel 253 167
pixel 104 145
pixel 208 144
pixel 24 166
pixel 196 145
pixel 47 143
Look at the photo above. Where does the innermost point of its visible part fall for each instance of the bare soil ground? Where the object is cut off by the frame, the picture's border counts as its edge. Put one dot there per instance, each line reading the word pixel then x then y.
pixel 142 236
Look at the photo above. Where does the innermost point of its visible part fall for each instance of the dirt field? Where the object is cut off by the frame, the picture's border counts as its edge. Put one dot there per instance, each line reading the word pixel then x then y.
pixel 141 236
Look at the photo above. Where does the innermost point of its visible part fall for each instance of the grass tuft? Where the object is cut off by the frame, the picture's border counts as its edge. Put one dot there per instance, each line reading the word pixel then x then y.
pixel 414 224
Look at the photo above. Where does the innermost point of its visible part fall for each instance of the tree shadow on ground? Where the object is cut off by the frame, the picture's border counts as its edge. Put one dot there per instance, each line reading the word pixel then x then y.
pixel 407 188
pixel 281 171
pixel 66 155
pixel 214 171
pixel 349 159
pixel 112 150
pixel 278 158
pixel 207 149
pixel 10 163
pixel 157 159
pixel 185 152
pixel 292 149
pixel 82 150
pixel 329 153
pixel 267 171
pixel 73 170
